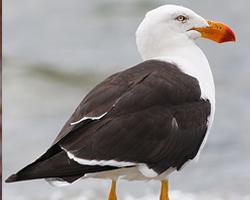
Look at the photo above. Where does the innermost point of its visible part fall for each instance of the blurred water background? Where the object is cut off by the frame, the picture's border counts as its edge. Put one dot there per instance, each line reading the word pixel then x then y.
pixel 55 51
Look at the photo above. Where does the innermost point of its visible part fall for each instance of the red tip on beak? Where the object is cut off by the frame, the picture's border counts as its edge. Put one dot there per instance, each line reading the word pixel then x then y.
pixel 217 32
pixel 229 35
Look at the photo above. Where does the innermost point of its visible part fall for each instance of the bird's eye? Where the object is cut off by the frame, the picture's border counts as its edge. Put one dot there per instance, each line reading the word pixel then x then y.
pixel 181 18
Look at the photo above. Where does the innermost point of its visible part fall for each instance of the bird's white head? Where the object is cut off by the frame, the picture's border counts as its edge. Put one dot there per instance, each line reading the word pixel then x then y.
pixel 170 27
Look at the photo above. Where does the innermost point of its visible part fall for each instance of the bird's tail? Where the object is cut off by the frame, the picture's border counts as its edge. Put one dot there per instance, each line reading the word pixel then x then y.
pixel 55 164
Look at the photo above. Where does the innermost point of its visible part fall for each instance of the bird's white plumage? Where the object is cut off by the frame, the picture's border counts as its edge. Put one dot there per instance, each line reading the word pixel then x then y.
pixel 160 33
pixel 85 118
pixel 98 162
pixel 57 182
pixel 175 123
pixel 129 174
pixel 146 171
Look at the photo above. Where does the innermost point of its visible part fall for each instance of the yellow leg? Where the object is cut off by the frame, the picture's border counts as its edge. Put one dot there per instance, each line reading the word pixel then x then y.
pixel 112 193
pixel 164 190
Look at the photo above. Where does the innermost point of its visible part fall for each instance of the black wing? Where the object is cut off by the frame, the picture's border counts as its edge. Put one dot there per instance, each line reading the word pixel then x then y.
pixel 155 115
pixel 159 119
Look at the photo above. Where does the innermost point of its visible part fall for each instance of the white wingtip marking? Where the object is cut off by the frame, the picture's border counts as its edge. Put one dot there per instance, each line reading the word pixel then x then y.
pixel 175 123
pixel 85 118
pixel 98 162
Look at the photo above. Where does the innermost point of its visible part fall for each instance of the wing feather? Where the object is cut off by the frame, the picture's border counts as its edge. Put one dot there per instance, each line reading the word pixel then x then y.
pixel 154 115
pixel 139 128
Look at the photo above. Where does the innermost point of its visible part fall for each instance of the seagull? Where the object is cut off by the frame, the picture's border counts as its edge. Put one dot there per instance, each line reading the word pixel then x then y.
pixel 147 121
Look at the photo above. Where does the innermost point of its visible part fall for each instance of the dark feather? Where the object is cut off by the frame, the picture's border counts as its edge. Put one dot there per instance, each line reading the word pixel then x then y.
pixel 155 115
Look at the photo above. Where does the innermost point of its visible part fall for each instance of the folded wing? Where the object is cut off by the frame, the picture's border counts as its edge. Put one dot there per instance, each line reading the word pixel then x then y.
pixel 150 114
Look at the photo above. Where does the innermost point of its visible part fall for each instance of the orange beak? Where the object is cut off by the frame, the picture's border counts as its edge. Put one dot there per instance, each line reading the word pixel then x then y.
pixel 217 32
